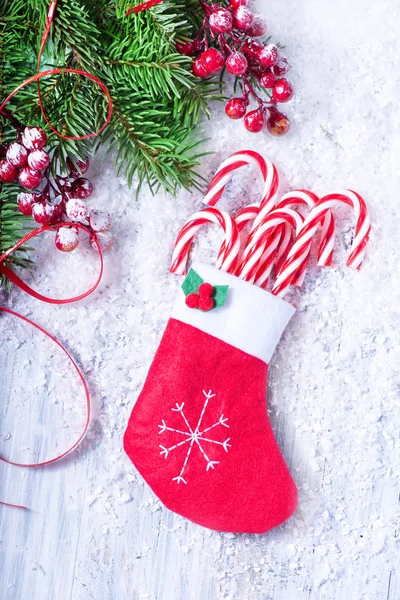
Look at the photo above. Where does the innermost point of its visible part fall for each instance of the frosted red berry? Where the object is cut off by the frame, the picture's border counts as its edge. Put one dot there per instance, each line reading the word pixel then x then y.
pixel 282 67
pixel 282 91
pixel 34 138
pixel 192 300
pixel 43 213
pixel 81 188
pixel 252 48
pixel 221 20
pixel 81 167
pixel 25 201
pixel 77 210
pixel 17 154
pixel 267 80
pixel 7 171
pixel 268 56
pixel 258 26
pixel 105 240
pixel 243 18
pixel 236 63
pixel 199 69
pixel 59 210
pixel 38 160
pixel 30 178
pixel 254 121
pixel 206 290
pixel 206 303
pixel 236 3
pixel 67 239
pixel 99 220
pixel 213 60
pixel 188 48
pixel 278 124
pixel 236 108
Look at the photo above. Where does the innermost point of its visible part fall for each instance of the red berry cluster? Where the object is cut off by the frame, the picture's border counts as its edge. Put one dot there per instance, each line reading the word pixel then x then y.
pixel 203 299
pixel 60 198
pixel 234 29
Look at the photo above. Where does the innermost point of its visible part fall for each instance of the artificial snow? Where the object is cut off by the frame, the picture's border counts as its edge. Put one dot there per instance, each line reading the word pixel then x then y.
pixel 95 528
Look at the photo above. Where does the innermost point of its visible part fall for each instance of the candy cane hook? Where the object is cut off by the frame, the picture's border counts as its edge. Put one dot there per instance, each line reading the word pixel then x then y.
pixel 229 253
pixel 296 257
pixel 239 159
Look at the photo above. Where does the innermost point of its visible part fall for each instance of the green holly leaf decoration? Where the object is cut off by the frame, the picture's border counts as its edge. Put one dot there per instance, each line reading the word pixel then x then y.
pixel 220 293
pixel 191 286
pixel 191 283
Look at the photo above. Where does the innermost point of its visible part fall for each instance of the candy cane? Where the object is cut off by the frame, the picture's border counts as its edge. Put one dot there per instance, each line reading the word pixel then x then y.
pixel 302 197
pixel 234 162
pixel 296 257
pixel 255 248
pixel 246 214
pixel 228 255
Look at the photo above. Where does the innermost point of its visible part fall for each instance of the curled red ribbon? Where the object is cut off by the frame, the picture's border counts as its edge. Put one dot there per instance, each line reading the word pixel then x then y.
pixel 5 270
pixel 12 276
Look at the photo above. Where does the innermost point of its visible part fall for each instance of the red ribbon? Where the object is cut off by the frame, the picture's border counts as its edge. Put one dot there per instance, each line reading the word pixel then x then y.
pixel 5 270
pixel 12 276
pixel 144 6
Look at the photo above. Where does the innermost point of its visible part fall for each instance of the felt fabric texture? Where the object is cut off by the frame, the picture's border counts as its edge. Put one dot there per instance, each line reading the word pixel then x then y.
pixel 204 402
pixel 251 319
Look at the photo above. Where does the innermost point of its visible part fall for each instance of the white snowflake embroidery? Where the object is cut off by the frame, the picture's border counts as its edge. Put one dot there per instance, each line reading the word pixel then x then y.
pixel 194 436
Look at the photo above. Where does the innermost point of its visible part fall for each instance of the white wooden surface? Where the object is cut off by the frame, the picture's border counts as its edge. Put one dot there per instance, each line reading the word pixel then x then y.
pixel 95 531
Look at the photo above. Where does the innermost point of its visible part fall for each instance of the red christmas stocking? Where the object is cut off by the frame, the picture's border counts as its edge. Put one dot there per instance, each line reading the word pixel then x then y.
pixel 199 433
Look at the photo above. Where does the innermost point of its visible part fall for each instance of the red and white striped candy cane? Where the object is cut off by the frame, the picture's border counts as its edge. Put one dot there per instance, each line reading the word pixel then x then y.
pixel 255 247
pixel 229 253
pixel 246 214
pixel 249 213
pixel 297 254
pixel 234 162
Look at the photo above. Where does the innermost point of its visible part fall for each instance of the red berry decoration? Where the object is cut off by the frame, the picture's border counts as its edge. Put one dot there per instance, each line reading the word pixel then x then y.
pixel 236 108
pixel 60 198
pixel 236 3
pixel 199 68
pixel 77 210
pixel 268 56
pixel 34 138
pixel 278 124
pixel 236 63
pixel 104 239
pixel 17 154
pixel 228 36
pixel 192 300
pixel 282 91
pixel 99 220
pixel 213 60
pixel 81 167
pixel 7 171
pixel 81 188
pixel 282 67
pixel 206 303
pixel 67 239
pixel 267 80
pixel 43 213
pixel 254 121
pixel 29 178
pixel 25 201
pixel 221 20
pixel 187 48
pixel 206 290
pixel 252 48
pixel 243 18
pixel 38 160
pixel 258 26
